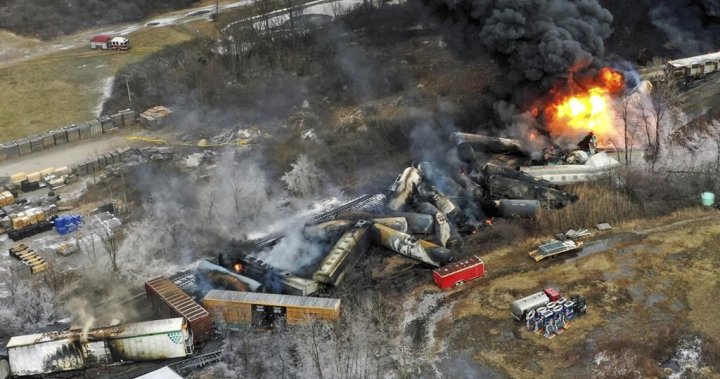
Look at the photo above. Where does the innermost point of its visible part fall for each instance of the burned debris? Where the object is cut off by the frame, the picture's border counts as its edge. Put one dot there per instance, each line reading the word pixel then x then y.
pixel 423 215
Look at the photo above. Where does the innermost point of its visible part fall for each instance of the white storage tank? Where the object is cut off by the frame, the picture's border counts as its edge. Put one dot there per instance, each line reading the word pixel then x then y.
pixel 526 304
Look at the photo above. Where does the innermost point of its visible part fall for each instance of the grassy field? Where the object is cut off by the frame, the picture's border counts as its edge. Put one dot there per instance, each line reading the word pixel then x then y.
pixel 67 87
pixel 52 90
pixel 645 294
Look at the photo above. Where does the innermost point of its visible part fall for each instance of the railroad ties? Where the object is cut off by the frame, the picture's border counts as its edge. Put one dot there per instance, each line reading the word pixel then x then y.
pixel 29 257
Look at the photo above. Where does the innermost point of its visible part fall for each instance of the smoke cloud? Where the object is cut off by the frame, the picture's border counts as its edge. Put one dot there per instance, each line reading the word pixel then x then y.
pixel 541 38
pixel 688 25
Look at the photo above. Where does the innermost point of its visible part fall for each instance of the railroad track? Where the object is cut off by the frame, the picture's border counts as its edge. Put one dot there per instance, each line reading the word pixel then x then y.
pixel 187 365
pixel 366 202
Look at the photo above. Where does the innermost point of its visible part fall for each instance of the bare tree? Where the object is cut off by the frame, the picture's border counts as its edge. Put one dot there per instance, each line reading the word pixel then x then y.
pixel 305 178
pixel 665 97
pixel 110 245
pixel 630 127
pixel 210 202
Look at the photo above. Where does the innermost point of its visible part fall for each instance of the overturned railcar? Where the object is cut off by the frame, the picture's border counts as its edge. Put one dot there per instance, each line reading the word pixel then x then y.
pixel 168 300
pixel 343 255
pixel 38 354
pixel 257 269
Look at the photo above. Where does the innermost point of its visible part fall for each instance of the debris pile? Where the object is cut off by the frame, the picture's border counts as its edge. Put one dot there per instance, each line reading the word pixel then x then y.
pixel 428 208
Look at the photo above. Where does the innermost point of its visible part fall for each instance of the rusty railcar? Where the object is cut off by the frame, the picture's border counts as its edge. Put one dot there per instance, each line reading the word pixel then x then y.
pixel 234 309
pixel 168 300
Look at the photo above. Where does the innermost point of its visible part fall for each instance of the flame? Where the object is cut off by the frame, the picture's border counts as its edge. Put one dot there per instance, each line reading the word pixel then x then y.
pixel 613 81
pixel 238 267
pixel 587 110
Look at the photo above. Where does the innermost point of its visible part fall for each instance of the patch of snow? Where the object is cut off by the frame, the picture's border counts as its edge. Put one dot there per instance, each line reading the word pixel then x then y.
pixel 162 21
pixel 106 92
pixel 687 356
pixel 613 365
pixel 194 160
pixel 309 134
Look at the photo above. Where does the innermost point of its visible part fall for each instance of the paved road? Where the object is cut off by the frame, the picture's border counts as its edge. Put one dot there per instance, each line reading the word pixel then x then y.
pixel 66 155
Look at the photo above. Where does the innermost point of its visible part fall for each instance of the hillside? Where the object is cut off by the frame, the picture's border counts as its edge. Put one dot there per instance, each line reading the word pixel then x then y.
pixel 50 18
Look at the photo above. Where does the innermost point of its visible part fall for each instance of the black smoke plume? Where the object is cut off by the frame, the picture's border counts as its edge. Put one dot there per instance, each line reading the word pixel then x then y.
pixel 541 39
pixel 690 26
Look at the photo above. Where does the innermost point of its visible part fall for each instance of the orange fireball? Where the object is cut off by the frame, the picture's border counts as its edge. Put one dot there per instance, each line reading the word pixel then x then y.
pixel 589 110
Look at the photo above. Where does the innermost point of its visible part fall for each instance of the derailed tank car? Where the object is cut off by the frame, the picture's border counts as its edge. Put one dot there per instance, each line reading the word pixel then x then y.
pixel 233 309
pixel 38 354
pixel 343 255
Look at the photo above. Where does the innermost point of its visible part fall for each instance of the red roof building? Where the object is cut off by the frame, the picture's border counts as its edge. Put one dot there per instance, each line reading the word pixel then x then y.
pixel 100 38
pixel 100 42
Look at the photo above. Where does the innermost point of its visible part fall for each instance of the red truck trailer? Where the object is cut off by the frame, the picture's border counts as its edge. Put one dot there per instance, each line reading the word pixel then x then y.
pixel 459 272
pixel 168 300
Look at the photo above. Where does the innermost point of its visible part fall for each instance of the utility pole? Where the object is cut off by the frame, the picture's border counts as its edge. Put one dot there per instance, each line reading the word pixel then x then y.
pixel 215 15
pixel 127 84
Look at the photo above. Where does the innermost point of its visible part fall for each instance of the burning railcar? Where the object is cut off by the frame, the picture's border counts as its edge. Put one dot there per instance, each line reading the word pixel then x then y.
pixel 273 280
pixel 75 349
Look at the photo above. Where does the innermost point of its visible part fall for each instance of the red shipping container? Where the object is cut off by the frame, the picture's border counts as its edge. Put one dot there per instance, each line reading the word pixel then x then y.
pixel 552 293
pixel 459 272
